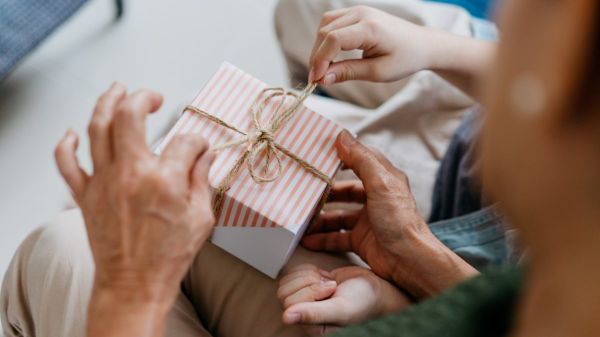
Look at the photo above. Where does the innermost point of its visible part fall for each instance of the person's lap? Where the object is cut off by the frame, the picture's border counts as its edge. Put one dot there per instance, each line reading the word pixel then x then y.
pixel 47 288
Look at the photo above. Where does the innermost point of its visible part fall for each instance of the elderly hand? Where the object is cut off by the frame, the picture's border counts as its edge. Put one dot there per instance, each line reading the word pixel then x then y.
pixel 146 216
pixel 344 296
pixel 387 232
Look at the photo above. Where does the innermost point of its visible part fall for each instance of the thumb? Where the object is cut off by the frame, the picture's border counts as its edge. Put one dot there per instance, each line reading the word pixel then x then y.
pixel 350 70
pixel 331 311
pixel 362 160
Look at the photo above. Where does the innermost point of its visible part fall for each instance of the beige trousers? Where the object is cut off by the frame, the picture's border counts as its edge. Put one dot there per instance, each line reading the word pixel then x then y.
pixel 48 284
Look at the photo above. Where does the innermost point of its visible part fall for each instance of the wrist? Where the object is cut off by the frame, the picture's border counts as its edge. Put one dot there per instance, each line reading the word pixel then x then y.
pixel 434 55
pixel 458 54
pixel 132 288
pixel 427 267
pixel 127 297
pixel 393 300
pixel 130 313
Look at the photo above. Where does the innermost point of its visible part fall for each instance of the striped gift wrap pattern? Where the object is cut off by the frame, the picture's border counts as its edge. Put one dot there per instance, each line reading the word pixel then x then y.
pixel 290 200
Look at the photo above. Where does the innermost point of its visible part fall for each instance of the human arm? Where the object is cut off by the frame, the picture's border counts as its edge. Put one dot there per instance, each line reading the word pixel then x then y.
pixel 387 232
pixel 146 217
pixel 392 49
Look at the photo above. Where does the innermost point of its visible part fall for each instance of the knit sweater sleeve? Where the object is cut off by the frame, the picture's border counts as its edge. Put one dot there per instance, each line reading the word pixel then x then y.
pixel 482 306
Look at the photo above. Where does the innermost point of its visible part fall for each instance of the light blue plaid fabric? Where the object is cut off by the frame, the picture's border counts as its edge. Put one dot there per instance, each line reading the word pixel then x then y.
pixel 24 24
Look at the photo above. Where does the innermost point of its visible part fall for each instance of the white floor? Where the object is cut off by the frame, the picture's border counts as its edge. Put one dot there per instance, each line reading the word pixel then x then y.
pixel 170 46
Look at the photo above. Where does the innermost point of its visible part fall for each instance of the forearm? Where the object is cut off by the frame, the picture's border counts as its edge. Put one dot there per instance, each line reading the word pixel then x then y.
pixel 461 61
pixel 123 313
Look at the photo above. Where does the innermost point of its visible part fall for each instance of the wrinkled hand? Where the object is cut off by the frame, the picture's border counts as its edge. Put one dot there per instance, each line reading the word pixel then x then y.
pixel 146 216
pixel 387 232
pixel 344 296
pixel 392 48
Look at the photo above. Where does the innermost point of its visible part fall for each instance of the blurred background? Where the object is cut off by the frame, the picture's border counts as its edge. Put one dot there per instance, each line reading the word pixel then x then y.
pixel 172 47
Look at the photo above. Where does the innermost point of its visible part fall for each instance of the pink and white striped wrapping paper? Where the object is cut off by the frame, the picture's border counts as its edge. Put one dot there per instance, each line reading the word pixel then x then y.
pixel 288 201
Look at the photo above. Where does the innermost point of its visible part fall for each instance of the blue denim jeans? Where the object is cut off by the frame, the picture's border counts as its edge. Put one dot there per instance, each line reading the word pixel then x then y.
pixel 480 238
pixel 461 216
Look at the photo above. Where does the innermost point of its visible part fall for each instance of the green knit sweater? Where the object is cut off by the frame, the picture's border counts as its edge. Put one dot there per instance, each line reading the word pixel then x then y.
pixel 481 307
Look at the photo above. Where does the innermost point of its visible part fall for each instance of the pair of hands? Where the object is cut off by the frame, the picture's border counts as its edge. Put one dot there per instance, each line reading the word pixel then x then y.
pixel 387 232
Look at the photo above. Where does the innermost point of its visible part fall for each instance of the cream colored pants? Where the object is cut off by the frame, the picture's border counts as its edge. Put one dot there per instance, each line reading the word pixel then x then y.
pixel 47 286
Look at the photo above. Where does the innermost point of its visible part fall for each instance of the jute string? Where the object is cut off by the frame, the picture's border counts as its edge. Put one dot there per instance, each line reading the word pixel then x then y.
pixel 261 140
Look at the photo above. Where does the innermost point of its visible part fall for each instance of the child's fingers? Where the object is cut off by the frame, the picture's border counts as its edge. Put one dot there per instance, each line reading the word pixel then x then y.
pixel 313 292
pixel 332 311
pixel 299 281
pixel 298 271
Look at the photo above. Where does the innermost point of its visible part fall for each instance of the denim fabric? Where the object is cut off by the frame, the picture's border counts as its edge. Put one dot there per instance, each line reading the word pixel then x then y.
pixel 478 237
pixel 460 216
pixel 456 191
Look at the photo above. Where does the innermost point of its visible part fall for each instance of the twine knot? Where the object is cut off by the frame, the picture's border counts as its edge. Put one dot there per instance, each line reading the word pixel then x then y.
pixel 261 141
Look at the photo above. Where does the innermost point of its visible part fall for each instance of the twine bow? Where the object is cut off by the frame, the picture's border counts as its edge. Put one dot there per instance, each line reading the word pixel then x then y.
pixel 261 139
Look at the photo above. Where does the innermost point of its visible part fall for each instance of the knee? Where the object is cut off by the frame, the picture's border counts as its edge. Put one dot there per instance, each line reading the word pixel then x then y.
pixel 64 240
pixel 52 266
pixel 59 247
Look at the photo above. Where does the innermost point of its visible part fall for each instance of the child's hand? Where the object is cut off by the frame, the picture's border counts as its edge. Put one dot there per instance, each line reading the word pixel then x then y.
pixel 341 297
pixel 392 48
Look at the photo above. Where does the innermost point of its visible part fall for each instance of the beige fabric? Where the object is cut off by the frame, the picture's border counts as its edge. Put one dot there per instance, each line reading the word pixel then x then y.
pixel 48 284
pixel 46 289
pixel 297 21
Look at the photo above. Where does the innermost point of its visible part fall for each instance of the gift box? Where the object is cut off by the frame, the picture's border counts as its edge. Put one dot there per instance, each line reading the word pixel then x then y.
pixel 269 184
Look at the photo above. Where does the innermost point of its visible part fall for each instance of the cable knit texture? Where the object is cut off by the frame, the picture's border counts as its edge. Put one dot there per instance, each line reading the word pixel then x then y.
pixel 483 306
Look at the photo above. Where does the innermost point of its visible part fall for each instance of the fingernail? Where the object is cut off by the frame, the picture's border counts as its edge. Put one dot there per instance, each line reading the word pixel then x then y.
pixel 329 284
pixel 329 79
pixel 311 76
pixel 292 317
pixel 346 140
